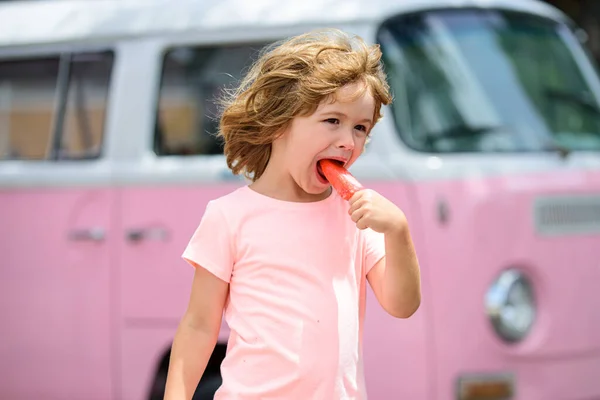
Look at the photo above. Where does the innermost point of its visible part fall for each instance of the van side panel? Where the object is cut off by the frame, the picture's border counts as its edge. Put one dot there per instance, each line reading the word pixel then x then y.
pixel 55 293
pixel 398 353
pixel 157 223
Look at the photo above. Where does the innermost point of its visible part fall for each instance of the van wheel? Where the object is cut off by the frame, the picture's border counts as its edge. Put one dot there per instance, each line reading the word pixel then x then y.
pixel 207 387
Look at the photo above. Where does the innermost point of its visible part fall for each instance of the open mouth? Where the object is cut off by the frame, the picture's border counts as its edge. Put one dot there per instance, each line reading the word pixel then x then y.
pixel 320 173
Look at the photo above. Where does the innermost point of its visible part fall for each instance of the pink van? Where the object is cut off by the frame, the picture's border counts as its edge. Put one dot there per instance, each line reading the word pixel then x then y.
pixel 107 161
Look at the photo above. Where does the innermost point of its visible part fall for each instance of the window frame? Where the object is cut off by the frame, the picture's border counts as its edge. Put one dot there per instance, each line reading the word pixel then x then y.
pixel 64 54
pixel 257 43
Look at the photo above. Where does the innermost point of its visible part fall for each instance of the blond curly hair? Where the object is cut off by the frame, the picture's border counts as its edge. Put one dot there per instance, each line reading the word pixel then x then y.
pixel 291 78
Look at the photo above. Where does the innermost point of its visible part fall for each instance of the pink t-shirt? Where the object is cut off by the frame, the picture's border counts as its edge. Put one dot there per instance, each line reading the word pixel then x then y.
pixel 297 275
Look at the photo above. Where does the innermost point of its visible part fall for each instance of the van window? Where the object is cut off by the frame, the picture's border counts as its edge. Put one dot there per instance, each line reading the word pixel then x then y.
pixel 53 108
pixel 27 104
pixel 488 81
pixel 85 111
pixel 193 78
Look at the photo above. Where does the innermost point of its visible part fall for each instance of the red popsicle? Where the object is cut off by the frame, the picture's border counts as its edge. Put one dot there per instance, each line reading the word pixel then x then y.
pixel 339 177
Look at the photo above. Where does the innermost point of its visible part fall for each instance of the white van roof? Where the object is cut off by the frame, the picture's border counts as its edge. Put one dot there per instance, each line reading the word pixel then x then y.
pixel 52 21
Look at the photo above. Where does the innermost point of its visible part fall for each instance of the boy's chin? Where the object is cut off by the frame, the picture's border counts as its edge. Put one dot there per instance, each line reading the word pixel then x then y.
pixel 319 190
pixel 315 188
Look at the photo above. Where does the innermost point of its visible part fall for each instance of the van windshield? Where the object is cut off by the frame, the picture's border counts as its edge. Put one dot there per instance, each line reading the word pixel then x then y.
pixel 490 81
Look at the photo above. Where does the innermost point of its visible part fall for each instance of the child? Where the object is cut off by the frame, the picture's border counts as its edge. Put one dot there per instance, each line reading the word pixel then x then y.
pixel 286 257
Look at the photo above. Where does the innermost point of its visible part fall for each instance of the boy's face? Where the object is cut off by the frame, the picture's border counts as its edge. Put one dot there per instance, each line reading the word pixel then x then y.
pixel 336 130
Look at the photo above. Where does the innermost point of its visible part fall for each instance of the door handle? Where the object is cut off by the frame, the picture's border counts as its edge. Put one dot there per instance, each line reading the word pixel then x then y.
pixel 137 235
pixel 91 234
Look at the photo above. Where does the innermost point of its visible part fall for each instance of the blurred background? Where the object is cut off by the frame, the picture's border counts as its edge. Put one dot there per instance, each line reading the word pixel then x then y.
pixel 108 157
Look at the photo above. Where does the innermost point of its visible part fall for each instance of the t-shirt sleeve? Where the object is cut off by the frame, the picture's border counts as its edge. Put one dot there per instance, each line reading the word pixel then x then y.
pixel 373 248
pixel 211 245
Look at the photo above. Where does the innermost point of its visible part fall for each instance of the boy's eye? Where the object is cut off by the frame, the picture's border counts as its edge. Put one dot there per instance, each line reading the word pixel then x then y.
pixel 336 121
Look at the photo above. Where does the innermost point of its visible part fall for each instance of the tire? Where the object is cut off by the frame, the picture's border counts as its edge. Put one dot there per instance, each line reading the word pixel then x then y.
pixel 157 391
pixel 207 387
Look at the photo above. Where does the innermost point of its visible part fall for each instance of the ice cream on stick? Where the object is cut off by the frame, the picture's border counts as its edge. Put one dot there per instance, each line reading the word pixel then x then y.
pixel 339 177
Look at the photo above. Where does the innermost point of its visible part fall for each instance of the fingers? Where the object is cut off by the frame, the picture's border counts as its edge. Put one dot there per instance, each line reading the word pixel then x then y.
pixel 360 216
pixel 362 223
pixel 357 215
pixel 359 199
pixel 360 208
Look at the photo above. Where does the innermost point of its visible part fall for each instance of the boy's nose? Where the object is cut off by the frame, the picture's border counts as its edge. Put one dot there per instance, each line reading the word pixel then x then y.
pixel 345 141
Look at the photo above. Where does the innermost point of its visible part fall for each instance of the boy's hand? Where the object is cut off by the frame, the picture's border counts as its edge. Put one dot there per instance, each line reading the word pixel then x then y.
pixel 369 209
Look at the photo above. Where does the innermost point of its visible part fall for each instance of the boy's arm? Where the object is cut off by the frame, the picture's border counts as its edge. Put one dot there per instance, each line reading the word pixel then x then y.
pixel 396 279
pixel 196 335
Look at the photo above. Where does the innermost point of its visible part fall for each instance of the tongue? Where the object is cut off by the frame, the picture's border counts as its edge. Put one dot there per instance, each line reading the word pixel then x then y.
pixel 341 180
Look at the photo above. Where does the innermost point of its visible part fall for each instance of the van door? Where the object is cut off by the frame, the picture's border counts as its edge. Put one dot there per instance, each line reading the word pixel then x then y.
pixel 166 196
pixel 56 213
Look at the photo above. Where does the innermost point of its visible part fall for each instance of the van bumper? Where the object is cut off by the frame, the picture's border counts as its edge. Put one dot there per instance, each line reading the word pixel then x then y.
pixel 576 378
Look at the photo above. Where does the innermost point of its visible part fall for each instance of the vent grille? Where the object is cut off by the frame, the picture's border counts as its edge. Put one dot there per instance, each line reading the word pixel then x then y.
pixel 567 215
